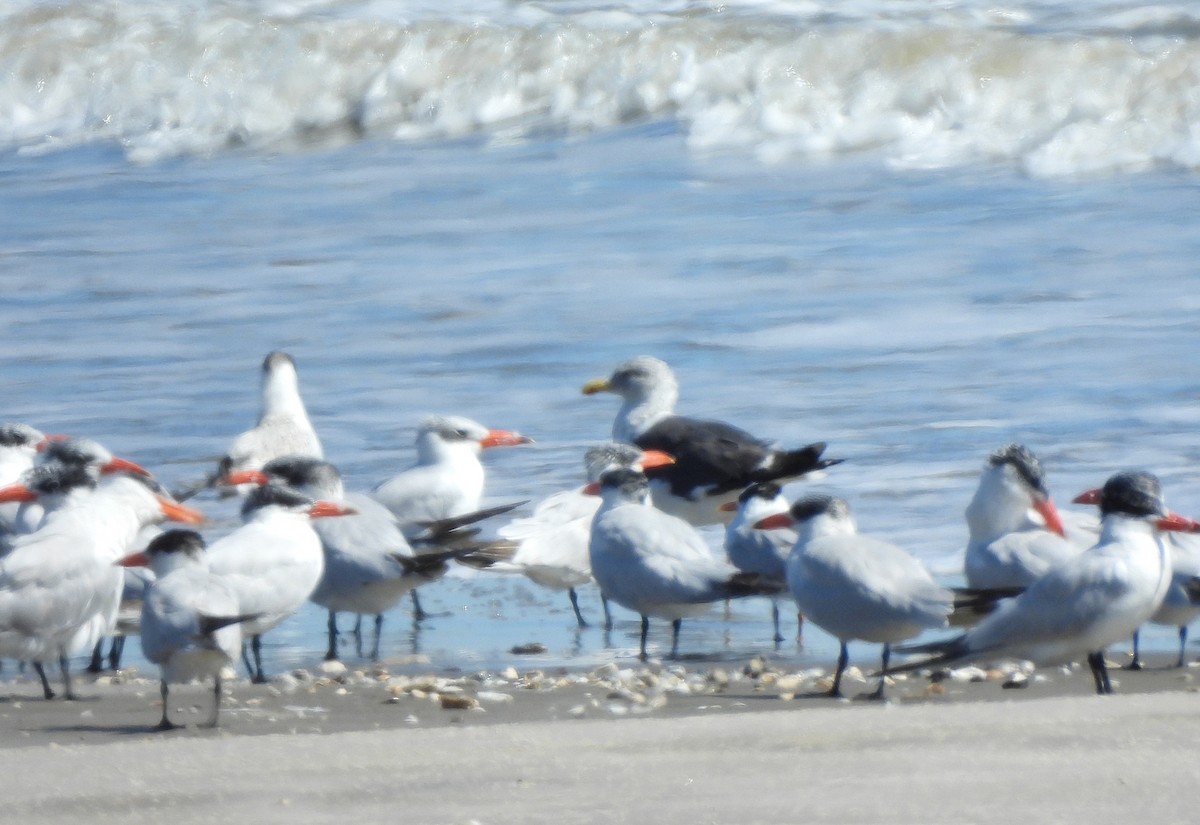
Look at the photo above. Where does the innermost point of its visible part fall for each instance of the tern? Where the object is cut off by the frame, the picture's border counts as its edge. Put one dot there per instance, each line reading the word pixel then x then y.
pixel 654 563
pixel 854 586
pixel 1087 602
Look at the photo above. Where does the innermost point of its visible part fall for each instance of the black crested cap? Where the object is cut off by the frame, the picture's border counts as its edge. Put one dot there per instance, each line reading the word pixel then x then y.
pixel 18 435
pixel 624 479
pixel 815 505
pixel 46 479
pixel 177 541
pixel 75 451
pixel 1026 464
pixel 767 490
pixel 274 495
pixel 296 470
pixel 1134 493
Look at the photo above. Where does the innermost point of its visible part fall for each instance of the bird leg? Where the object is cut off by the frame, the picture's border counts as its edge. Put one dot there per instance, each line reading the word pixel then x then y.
pixel 260 678
pixel 1183 634
pixel 331 653
pixel 65 665
pixel 419 614
pixel 575 606
pixel 645 632
pixel 775 620
pixel 47 691
pixel 378 632
pixel 214 720
pixel 1095 661
pixel 115 652
pixel 675 625
pixel 1136 664
pixel 358 636
pixel 164 724
pixel 96 665
pixel 883 671
pixel 843 660
pixel 608 619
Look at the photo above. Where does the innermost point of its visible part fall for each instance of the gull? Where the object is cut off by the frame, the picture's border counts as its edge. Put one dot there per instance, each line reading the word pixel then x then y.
pixel 654 563
pixel 857 587
pixel 1085 603
pixel 714 461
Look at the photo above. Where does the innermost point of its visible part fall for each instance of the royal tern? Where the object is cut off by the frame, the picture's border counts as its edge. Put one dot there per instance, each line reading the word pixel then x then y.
pixel 857 587
pixel 552 543
pixel 447 479
pixel 714 461
pixel 654 563
pixel 1087 602
pixel 59 586
pixel 273 561
pixel 369 564
pixel 1016 533
pixel 1181 603
pixel 764 552
pixel 191 627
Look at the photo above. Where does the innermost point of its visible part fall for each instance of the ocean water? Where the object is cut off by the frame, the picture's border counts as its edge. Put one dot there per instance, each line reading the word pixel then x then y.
pixel 916 231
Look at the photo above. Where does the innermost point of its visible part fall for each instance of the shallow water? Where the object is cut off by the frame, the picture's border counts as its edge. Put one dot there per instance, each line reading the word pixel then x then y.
pixel 914 315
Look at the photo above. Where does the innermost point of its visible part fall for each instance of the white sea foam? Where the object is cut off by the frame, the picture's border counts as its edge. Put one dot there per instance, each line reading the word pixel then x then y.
pixel 942 88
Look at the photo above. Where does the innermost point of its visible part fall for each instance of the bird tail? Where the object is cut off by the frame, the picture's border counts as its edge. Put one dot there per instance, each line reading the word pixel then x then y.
pixel 489 554
pixel 942 652
pixel 479 554
pixel 785 464
pixel 1192 589
pixel 750 584
pixel 448 529
pixel 973 603
pixel 211 624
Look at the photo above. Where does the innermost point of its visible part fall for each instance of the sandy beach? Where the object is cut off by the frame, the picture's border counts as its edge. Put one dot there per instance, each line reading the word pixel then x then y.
pixel 670 743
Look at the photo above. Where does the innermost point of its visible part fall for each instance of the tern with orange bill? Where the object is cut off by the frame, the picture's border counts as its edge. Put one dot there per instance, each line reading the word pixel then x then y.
pixel 190 623
pixel 551 545
pixel 1016 533
pixel 273 561
pixel 1085 603
pixel 59 586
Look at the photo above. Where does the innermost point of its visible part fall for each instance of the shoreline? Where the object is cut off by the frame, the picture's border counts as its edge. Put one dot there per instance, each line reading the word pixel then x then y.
pixel 975 753
pixel 408 694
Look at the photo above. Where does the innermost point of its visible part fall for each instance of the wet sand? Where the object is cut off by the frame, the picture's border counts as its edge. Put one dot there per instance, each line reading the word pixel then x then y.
pixel 690 743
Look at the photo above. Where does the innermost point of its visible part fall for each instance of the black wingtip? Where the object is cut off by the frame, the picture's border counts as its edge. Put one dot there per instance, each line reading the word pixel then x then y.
pixel 973 603
pixel 788 464
pixel 437 530
pixel 211 624
pixel 752 584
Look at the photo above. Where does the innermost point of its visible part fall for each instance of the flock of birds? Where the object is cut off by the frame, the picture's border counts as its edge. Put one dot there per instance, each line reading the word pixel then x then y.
pixel 73 515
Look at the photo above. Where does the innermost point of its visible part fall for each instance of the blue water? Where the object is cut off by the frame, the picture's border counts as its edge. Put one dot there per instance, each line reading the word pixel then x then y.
pixel 915 316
